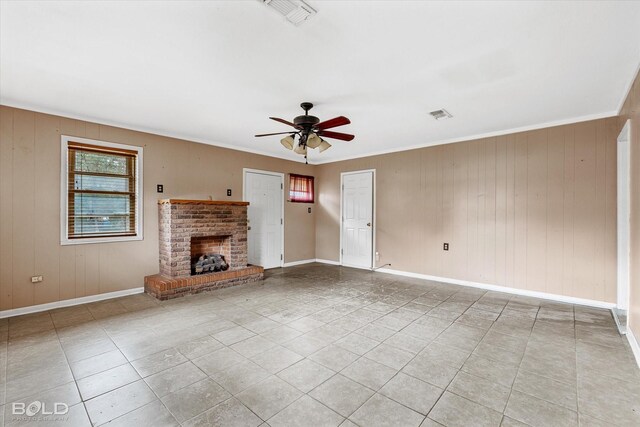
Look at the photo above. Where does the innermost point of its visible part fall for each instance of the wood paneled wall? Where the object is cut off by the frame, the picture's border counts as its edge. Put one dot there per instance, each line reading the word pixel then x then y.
pixel 534 210
pixel 30 207
pixel 631 110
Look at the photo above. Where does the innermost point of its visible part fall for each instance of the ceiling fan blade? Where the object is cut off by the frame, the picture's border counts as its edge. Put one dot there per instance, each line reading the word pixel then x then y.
pixel 332 123
pixel 277 119
pixel 277 133
pixel 336 135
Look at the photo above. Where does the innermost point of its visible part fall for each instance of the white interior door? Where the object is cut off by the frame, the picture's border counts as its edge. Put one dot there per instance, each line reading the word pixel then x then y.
pixel 264 192
pixel 357 219
pixel 624 226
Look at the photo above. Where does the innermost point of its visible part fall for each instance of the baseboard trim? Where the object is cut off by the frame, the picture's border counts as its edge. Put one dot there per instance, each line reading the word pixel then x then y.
pixel 633 343
pixel 356 266
pixel 489 287
pixel 309 261
pixel 327 261
pixel 621 320
pixel 68 302
pixel 303 261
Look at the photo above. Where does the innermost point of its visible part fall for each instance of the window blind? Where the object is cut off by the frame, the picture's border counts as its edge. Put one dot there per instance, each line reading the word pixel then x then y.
pixel 102 191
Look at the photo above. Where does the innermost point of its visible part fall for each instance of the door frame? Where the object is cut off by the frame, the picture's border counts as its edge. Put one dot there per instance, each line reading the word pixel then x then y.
pixel 373 214
pixel 623 227
pixel 244 199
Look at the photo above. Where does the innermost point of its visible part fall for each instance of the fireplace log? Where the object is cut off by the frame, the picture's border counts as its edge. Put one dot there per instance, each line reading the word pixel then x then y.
pixel 209 263
pixel 219 261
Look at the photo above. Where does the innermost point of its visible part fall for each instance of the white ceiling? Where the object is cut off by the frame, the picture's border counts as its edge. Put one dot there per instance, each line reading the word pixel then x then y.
pixel 214 72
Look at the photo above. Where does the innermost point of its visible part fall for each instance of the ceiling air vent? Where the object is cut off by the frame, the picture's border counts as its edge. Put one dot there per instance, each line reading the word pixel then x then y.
pixel 296 11
pixel 441 114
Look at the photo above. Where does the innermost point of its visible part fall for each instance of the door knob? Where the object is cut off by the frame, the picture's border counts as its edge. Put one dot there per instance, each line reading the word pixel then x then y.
pixel 368 224
pixel 249 228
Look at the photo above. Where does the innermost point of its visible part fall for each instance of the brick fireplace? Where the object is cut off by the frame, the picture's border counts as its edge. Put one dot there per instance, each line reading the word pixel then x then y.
pixel 190 228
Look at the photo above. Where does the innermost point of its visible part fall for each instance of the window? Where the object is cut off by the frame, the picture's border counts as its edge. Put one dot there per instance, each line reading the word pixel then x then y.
pixel 101 191
pixel 301 188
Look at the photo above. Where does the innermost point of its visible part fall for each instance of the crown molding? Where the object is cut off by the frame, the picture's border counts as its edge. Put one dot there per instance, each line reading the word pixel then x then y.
pixel 628 88
pixel 143 129
pixel 480 136
pixel 312 162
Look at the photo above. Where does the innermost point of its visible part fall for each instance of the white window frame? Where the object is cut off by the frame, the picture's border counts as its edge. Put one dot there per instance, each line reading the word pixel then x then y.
pixel 64 193
pixel 313 188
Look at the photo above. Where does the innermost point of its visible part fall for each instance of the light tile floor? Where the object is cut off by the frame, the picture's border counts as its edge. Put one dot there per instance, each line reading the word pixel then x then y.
pixel 323 345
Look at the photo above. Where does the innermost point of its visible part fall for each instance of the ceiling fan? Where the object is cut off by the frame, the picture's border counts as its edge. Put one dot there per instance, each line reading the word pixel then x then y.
pixel 310 131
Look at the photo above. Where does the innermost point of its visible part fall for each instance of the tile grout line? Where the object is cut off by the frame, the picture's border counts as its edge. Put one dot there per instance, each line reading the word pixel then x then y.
pixel 401 370
pixel 518 371
pixel 311 299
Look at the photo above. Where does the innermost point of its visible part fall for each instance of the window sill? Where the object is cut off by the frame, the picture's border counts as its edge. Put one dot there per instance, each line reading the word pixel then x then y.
pixel 91 240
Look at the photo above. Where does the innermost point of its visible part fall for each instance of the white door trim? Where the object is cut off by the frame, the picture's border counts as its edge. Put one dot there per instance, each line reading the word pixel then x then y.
pixel 624 226
pixel 244 198
pixel 373 213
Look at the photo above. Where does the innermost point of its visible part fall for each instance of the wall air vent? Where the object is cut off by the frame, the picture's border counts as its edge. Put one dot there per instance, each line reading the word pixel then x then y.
pixel 296 11
pixel 440 114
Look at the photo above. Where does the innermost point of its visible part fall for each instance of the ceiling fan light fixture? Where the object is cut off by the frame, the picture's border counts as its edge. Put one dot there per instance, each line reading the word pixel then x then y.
pixel 324 145
pixel 313 141
pixel 287 142
pixel 310 130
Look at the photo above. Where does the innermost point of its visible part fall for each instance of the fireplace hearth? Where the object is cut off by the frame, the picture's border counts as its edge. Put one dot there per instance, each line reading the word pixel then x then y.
pixel 203 246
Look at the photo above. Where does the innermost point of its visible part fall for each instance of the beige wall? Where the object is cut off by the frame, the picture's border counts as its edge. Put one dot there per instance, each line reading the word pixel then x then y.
pixel 534 210
pixel 631 110
pixel 30 207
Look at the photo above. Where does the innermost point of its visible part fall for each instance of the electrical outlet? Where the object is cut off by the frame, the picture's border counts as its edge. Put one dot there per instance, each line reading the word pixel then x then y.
pixel 445 247
pixel 228 192
pixel 377 256
pixel 160 188
pixel 36 279
pixel 309 210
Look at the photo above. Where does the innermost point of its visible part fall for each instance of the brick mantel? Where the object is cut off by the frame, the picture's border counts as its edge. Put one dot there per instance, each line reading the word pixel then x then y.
pixel 200 202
